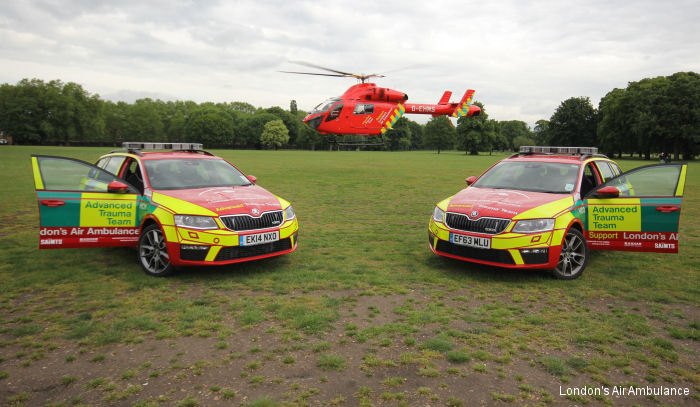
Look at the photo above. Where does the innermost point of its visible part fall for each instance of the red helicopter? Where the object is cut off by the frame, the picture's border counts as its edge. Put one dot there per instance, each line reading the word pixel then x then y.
pixel 368 110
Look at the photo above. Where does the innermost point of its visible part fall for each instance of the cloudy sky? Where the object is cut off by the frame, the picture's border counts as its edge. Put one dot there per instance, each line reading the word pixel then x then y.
pixel 522 57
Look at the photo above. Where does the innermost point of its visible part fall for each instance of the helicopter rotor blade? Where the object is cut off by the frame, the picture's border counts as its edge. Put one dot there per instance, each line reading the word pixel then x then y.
pixel 319 74
pixel 337 73
pixel 310 65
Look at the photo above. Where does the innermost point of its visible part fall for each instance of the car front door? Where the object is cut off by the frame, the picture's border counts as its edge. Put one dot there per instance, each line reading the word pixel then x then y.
pixel 81 205
pixel 637 211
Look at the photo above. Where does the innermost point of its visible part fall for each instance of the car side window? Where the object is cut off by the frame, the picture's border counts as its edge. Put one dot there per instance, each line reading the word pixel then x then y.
pixel 650 181
pixel 605 171
pixel 62 174
pixel 616 170
pixel 589 180
pixel 132 175
pixel 113 164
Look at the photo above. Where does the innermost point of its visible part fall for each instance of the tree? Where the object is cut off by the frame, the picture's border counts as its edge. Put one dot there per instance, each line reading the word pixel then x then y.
pixel 274 134
pixel 174 116
pixel 76 116
pixel 252 127
pixel 522 141
pixel 416 134
pixel 309 138
pixel 541 132
pixel 514 129
pixel 659 114
pixel 143 122
pixel 399 137
pixel 291 122
pixel 211 126
pixel 573 123
pixel 24 114
pixel 614 127
pixel 475 133
pixel 439 133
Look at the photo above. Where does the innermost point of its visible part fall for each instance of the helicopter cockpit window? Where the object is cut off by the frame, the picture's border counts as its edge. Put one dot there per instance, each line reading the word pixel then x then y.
pixel 322 107
pixel 363 108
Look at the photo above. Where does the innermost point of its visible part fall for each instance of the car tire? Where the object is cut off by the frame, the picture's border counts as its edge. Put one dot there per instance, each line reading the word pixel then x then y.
pixel 152 252
pixel 573 257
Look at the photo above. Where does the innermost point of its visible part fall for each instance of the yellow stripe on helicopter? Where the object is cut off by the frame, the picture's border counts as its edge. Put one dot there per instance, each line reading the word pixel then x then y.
pixel 464 109
pixel 389 124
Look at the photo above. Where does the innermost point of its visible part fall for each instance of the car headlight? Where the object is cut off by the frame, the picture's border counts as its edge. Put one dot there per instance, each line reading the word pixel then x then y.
pixel 195 222
pixel 289 213
pixel 533 225
pixel 438 215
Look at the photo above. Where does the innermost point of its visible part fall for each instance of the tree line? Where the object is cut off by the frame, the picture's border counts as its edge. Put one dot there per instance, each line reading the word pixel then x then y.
pixel 653 115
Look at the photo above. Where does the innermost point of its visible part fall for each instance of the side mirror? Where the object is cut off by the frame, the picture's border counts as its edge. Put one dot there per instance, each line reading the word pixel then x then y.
pixel 470 180
pixel 608 192
pixel 252 178
pixel 117 187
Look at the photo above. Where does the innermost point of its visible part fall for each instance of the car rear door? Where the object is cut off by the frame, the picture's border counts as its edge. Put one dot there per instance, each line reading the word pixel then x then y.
pixel 645 215
pixel 81 205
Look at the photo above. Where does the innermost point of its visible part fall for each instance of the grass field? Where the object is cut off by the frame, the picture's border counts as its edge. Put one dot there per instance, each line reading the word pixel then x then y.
pixel 362 314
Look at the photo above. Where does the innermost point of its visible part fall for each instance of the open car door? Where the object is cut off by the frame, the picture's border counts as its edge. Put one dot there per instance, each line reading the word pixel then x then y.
pixel 637 211
pixel 81 205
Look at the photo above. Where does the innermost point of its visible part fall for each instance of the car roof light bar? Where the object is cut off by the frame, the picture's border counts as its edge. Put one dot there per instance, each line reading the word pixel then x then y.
pixel 558 150
pixel 136 145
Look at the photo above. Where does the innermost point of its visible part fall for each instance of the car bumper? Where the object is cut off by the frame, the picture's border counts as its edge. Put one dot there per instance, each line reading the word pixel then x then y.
pixel 187 247
pixel 510 250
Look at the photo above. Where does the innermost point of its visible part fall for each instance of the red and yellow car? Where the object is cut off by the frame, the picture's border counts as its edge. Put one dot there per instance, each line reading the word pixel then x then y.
pixel 179 208
pixel 547 207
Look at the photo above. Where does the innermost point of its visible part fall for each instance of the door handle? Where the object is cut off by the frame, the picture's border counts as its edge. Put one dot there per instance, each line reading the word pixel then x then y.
pixel 53 204
pixel 667 209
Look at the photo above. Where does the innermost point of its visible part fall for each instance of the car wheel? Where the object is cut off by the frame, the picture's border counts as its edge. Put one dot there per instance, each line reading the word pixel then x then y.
pixel 573 257
pixel 153 253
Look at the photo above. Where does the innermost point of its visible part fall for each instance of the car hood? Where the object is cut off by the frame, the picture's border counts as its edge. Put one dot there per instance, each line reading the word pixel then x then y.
pixel 222 200
pixel 506 203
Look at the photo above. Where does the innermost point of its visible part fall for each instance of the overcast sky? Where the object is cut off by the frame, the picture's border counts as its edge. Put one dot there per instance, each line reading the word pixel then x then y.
pixel 522 58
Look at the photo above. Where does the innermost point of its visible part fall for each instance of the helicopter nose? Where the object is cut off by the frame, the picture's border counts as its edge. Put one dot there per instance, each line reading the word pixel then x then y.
pixel 313 122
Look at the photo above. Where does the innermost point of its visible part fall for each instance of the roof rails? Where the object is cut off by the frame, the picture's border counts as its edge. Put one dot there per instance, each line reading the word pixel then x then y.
pixel 135 147
pixel 584 152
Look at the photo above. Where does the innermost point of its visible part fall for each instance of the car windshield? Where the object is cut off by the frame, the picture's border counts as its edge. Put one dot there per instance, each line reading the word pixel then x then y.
pixel 193 173
pixel 553 178
pixel 325 105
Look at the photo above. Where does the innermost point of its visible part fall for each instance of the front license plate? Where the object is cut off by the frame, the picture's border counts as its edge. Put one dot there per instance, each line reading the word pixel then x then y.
pixel 259 238
pixel 471 241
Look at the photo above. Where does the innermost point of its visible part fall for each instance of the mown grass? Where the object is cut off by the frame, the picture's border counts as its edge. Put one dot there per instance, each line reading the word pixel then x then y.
pixel 363 219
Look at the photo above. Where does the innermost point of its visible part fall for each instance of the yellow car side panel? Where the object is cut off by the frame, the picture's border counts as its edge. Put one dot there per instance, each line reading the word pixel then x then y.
pixel 181 206
pixel 548 210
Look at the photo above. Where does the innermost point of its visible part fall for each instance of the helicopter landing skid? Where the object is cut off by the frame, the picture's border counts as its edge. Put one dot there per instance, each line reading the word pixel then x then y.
pixel 342 140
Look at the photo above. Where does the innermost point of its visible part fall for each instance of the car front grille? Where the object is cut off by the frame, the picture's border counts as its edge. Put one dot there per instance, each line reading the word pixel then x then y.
pixel 490 226
pixel 247 222
pixel 241 252
pixel 492 255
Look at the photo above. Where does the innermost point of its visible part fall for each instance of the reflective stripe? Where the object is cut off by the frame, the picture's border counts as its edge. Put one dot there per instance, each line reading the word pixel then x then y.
pixel 516 256
pixel 681 181
pixel 38 182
